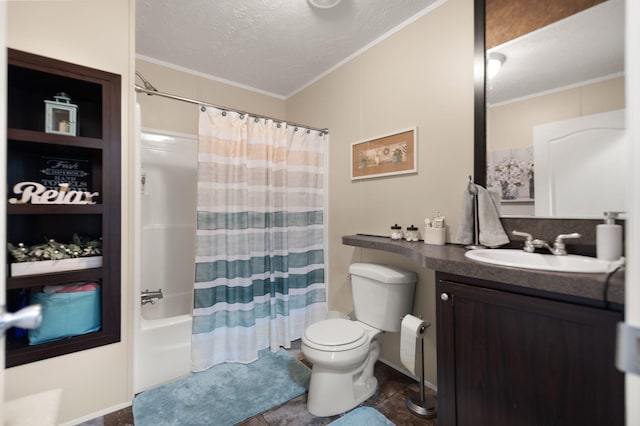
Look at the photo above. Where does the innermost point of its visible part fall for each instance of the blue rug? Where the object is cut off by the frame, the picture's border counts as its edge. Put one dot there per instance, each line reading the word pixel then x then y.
pixel 362 416
pixel 225 394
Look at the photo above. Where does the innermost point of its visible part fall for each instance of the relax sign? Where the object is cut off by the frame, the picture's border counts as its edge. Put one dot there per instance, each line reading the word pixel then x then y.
pixel 36 193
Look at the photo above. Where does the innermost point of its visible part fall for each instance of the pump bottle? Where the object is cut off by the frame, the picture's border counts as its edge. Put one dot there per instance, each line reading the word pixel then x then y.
pixel 609 238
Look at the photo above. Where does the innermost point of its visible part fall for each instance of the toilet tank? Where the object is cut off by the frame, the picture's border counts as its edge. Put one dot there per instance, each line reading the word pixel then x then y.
pixel 382 294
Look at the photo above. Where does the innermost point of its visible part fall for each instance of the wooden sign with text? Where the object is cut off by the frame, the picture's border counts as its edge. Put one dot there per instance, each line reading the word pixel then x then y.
pixel 36 193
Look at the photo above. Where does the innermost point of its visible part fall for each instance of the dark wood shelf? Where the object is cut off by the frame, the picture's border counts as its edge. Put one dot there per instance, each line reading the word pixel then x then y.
pixel 15 209
pixel 53 139
pixel 37 280
pixel 20 352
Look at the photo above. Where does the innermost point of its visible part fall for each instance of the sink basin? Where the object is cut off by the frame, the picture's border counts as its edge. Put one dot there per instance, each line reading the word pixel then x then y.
pixel 543 262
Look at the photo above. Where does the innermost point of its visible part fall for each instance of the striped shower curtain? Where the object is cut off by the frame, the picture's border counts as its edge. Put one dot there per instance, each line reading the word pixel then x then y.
pixel 259 241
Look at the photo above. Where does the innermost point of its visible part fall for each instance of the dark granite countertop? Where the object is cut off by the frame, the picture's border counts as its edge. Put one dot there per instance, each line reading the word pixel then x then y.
pixel 580 288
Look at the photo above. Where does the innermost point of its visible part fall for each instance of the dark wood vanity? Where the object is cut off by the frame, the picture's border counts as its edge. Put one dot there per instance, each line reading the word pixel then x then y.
pixel 517 346
pixel 509 359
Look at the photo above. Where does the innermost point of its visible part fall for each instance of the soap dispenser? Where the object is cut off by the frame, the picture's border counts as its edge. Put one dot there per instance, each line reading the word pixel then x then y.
pixel 609 238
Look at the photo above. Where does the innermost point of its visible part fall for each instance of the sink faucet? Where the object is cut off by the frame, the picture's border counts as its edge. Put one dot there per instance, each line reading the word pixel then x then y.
pixel 558 249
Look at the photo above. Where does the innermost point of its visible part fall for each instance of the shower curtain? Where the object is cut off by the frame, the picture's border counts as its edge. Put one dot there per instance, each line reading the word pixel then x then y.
pixel 259 239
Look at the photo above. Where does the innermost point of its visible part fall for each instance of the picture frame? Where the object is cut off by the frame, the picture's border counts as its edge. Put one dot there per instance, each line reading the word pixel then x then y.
pixel 388 155
pixel 510 172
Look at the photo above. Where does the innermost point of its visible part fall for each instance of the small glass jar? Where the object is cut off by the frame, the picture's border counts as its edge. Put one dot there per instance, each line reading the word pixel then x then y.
pixel 396 232
pixel 412 234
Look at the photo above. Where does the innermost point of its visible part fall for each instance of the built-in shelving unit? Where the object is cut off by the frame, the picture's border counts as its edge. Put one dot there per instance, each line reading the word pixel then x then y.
pixel 95 149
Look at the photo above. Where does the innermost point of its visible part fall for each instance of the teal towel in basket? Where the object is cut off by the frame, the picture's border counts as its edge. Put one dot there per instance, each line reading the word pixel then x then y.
pixel 66 315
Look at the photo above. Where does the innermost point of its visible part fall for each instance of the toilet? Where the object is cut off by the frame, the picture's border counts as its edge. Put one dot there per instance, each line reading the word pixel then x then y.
pixel 343 351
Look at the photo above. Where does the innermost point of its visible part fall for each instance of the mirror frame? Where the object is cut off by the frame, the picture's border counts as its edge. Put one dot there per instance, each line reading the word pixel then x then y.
pixel 479 98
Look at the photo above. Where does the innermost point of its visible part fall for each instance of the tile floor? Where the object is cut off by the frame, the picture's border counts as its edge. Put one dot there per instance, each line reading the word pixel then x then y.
pixel 389 399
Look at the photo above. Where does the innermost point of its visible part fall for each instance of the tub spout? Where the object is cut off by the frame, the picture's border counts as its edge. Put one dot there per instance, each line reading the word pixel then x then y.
pixel 150 296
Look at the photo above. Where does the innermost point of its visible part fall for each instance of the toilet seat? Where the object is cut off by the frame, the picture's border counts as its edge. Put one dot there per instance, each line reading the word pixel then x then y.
pixel 335 335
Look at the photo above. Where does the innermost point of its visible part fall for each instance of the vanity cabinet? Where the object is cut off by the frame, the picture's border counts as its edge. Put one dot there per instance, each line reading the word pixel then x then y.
pixel 511 359
pixel 81 150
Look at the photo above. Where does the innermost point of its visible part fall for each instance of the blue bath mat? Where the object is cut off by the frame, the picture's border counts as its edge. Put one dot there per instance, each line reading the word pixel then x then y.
pixel 362 416
pixel 225 394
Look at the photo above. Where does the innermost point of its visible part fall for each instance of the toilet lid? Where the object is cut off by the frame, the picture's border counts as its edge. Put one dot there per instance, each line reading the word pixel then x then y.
pixel 335 332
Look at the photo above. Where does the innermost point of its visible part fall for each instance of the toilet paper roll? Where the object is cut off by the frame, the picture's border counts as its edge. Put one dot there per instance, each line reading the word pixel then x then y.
pixel 411 329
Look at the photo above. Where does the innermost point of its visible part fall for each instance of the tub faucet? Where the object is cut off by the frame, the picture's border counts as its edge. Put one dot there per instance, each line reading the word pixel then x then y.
pixel 150 296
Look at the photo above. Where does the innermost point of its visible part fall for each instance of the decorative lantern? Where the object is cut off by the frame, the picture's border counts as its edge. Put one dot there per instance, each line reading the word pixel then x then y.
pixel 61 115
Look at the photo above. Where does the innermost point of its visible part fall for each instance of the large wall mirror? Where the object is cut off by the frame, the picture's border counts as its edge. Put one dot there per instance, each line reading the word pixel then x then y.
pixel 550 123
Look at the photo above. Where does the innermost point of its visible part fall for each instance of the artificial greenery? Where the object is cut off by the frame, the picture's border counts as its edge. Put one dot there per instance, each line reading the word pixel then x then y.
pixel 53 250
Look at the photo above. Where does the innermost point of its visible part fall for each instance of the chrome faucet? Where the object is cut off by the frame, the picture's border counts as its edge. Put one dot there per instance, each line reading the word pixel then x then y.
pixel 558 249
pixel 151 296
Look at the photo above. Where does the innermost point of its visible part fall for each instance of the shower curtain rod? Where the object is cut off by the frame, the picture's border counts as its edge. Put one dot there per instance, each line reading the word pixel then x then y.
pixel 152 91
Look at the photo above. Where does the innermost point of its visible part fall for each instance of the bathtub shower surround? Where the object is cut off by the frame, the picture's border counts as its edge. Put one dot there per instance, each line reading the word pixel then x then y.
pixel 167 227
pixel 260 239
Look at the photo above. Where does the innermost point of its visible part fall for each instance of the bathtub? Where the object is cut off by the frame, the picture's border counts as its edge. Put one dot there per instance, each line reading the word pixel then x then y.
pixel 164 257
pixel 164 342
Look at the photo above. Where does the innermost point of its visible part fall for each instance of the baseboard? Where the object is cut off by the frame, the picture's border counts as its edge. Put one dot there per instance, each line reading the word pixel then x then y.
pixel 406 373
pixel 100 413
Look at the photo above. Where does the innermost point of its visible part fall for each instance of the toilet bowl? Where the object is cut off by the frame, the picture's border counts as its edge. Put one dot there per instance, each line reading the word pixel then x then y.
pixel 343 352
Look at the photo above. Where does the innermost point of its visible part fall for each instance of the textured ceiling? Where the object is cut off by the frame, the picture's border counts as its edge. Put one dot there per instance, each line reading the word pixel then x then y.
pixel 274 46
pixel 280 46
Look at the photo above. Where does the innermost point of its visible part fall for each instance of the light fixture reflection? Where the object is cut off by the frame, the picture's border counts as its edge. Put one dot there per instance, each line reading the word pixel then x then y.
pixel 324 4
pixel 494 64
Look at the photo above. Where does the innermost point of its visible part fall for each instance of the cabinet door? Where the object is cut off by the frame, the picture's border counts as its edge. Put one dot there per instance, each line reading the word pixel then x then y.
pixel 507 359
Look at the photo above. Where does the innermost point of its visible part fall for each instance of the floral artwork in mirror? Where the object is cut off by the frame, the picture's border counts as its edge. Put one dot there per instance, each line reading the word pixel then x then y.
pixel 510 173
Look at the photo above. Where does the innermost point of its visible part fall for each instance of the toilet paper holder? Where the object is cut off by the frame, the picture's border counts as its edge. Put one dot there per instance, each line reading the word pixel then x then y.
pixel 417 402
pixel 423 327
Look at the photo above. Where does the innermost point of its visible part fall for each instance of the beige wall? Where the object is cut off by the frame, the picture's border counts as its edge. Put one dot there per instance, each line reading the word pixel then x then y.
pixel 181 117
pixel 510 125
pixel 421 76
pixel 98 35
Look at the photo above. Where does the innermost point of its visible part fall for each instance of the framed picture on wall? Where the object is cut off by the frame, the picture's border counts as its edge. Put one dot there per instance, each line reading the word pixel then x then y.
pixel 388 155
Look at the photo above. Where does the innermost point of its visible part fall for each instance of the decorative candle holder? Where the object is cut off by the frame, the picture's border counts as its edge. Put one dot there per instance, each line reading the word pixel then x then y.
pixel 61 115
